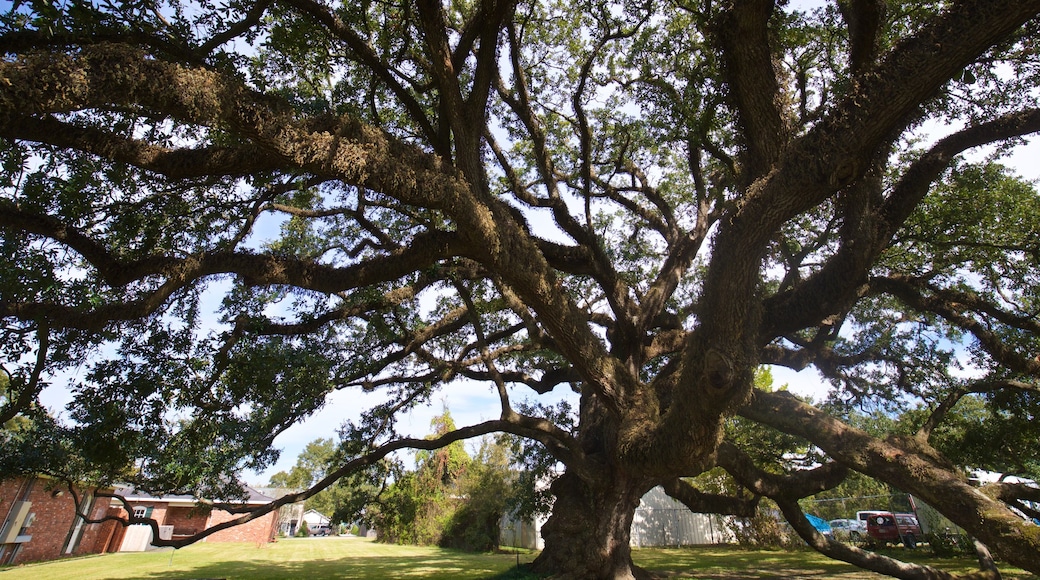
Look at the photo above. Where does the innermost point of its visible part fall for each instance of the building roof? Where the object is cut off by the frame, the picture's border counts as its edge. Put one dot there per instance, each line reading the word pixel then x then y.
pixel 276 492
pixel 253 497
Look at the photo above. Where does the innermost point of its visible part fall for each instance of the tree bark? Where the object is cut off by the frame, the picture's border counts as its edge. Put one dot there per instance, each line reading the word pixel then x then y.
pixel 911 466
pixel 587 535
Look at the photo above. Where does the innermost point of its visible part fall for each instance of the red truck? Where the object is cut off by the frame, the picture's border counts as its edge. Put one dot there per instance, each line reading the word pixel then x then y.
pixel 884 527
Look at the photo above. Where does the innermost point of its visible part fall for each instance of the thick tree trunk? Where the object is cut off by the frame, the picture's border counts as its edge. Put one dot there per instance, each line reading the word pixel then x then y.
pixel 587 535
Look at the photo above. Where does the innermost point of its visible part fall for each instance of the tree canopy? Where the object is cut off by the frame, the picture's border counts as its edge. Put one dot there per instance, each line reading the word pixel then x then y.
pixel 214 214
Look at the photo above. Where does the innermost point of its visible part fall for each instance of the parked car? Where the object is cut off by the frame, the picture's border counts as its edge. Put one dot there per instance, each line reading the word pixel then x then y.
pixel 909 529
pixel 847 529
pixel 884 527
pixel 318 529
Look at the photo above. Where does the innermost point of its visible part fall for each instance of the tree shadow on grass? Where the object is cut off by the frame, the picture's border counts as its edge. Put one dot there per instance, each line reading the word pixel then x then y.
pixel 694 560
pixel 444 566
pixel 710 563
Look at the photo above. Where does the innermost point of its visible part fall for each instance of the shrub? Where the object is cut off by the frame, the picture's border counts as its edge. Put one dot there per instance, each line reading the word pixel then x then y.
pixel 948 543
pixel 764 530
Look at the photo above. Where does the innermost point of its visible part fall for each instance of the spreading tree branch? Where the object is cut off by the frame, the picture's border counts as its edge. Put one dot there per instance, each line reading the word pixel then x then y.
pixel 905 463
pixel 840 282
pixel 866 559
pixel 699 502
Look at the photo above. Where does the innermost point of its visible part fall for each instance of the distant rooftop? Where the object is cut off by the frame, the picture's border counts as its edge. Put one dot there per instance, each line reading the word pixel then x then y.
pixel 253 497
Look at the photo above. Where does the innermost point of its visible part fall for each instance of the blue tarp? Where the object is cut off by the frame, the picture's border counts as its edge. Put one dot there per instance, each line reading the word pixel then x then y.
pixel 820 524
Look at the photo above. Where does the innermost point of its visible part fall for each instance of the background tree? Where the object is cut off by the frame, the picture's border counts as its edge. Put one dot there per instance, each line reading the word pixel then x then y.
pixel 312 465
pixel 418 506
pixel 489 492
pixel 437 505
pixel 223 212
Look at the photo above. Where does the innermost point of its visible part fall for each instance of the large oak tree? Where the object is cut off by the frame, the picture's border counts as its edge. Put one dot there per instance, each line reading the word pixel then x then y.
pixel 640 201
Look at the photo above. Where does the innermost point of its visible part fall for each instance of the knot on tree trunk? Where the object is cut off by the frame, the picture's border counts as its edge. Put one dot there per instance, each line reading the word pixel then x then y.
pixel 718 369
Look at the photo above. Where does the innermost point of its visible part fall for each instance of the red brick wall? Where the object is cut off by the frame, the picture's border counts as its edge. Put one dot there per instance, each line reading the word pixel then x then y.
pixel 187 521
pixel 158 513
pixel 115 540
pixel 158 510
pixel 95 537
pixel 258 531
pixel 53 522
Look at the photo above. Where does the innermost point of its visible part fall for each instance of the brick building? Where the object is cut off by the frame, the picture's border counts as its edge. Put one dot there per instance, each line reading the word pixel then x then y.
pixel 39 522
pixel 180 516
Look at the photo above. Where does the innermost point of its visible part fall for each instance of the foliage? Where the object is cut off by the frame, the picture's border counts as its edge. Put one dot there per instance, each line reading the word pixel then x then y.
pixel 765 529
pixel 419 505
pixel 772 449
pixel 312 465
pixel 857 493
pixel 994 434
pixel 213 215
pixel 16 423
pixel 949 544
pixel 534 467
pixel 488 487
pixel 450 499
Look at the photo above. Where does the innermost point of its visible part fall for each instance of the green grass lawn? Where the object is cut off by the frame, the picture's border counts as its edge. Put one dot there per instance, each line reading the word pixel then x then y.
pixel 358 558
pixel 288 558
pixel 727 562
